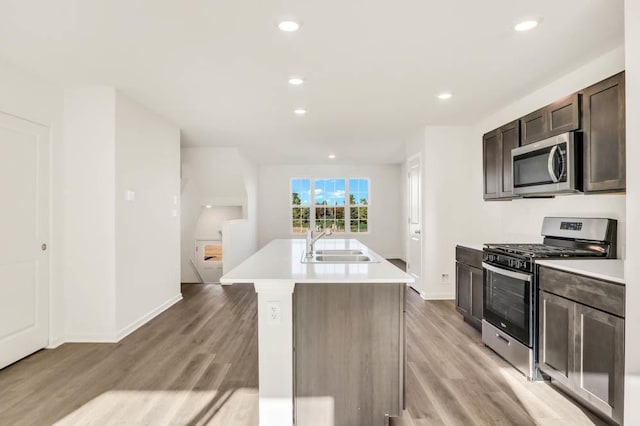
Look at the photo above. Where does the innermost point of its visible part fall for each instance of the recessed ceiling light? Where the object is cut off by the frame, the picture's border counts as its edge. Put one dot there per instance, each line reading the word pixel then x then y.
pixel 526 25
pixel 300 111
pixel 208 206
pixel 289 26
pixel 332 156
pixel 445 95
pixel 296 81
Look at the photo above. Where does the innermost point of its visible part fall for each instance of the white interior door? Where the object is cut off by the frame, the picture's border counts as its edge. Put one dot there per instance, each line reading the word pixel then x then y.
pixel 209 260
pixel 414 257
pixel 24 231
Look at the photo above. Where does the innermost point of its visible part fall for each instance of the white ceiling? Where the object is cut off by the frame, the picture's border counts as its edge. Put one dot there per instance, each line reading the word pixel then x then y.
pixel 219 68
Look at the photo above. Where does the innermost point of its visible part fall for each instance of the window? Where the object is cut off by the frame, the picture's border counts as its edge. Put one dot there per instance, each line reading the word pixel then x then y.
pixel 322 203
pixel 329 203
pixel 300 204
pixel 358 205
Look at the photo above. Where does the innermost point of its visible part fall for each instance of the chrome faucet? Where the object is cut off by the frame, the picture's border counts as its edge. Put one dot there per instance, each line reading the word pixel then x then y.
pixel 313 236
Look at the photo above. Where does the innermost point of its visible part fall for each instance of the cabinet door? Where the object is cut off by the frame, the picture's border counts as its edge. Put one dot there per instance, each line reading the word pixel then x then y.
pixel 604 135
pixel 555 349
pixel 534 126
pixel 491 164
pixel 563 115
pixel 509 136
pixel 477 295
pixel 463 289
pixel 599 360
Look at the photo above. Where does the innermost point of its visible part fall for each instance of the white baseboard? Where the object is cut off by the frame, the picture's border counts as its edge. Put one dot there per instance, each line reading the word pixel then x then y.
pixel 91 338
pixel 438 296
pixel 55 343
pixel 124 332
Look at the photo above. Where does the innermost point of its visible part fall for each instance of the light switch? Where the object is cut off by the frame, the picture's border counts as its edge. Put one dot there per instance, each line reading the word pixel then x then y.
pixel 130 195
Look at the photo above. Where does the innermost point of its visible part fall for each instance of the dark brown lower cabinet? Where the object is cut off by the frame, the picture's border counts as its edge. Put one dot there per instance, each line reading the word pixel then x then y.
pixel 556 331
pixel 599 362
pixel 469 282
pixel 582 348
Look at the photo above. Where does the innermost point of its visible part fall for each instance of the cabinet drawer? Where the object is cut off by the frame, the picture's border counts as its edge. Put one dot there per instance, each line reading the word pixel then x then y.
pixel 602 295
pixel 469 256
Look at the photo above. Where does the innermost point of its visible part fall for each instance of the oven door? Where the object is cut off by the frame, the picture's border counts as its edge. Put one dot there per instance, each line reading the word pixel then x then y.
pixel 508 302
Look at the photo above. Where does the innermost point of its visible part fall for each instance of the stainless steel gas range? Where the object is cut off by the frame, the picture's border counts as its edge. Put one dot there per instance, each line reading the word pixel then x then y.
pixel 510 303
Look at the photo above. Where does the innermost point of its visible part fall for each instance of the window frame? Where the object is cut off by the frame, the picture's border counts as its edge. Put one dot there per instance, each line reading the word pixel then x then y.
pixel 292 206
pixel 347 204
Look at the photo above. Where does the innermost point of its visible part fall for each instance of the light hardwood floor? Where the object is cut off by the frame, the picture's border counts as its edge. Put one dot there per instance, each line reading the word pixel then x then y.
pixel 197 364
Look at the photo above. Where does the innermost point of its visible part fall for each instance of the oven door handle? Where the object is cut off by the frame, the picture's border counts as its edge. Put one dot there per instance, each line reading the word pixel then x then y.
pixel 506 273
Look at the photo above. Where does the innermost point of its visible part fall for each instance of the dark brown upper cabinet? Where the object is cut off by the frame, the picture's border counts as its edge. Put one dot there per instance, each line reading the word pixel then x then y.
pixel 496 155
pixel 490 164
pixel 603 109
pixel 559 117
pixel 509 136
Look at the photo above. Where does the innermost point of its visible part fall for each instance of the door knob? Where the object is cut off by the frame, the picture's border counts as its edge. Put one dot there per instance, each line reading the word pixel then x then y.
pixel 43 247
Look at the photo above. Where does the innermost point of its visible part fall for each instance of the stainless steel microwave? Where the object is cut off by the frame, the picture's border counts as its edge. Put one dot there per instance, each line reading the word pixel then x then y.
pixel 551 166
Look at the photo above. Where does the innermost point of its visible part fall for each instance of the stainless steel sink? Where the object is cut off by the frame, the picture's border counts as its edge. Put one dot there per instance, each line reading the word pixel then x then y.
pixel 339 258
pixel 343 258
pixel 338 252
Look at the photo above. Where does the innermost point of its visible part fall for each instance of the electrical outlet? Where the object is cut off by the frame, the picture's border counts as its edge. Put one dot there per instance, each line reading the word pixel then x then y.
pixel 274 312
pixel 445 278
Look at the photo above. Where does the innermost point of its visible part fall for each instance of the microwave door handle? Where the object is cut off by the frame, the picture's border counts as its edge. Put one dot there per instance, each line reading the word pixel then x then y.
pixel 550 168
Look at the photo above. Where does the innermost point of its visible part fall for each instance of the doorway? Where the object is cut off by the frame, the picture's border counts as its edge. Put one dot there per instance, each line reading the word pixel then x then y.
pixel 414 237
pixel 209 260
pixel 24 258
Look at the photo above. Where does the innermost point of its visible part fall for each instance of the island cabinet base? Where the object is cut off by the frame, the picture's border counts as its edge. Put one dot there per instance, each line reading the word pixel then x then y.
pixel 349 353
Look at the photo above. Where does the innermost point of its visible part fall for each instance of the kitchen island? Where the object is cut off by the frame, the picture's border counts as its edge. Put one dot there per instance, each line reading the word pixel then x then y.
pixel 346 323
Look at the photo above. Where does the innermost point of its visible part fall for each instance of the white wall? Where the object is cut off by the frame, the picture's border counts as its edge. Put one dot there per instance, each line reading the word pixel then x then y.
pixel 89 239
pixel 31 98
pixel 147 229
pixel 404 209
pixel 221 177
pixel 274 215
pixel 445 189
pixel 121 257
pixel 632 272
pixel 522 219
pixel 454 210
pixel 209 224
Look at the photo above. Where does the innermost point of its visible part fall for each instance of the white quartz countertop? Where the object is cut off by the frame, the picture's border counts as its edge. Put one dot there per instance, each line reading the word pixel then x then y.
pixel 282 260
pixel 604 269
pixel 473 246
